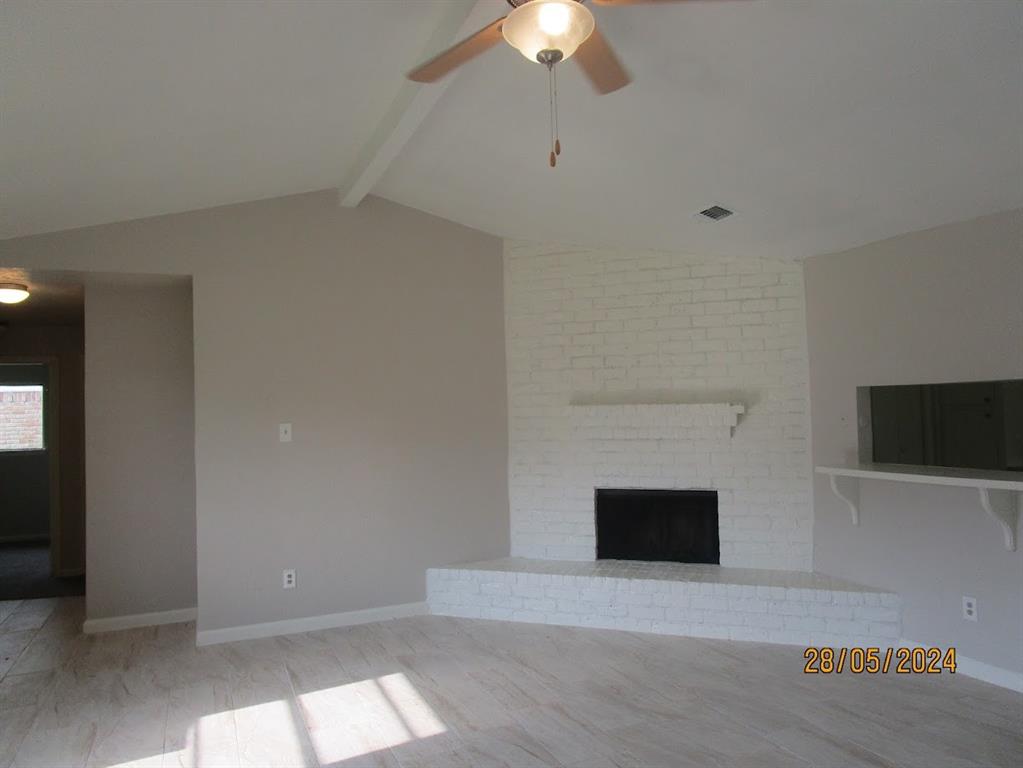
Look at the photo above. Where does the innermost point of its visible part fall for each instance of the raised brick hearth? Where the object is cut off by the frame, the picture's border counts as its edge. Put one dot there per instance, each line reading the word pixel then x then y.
pixel 670 598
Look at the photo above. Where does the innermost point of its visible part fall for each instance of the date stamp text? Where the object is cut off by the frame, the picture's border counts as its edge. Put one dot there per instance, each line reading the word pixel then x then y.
pixel 873 661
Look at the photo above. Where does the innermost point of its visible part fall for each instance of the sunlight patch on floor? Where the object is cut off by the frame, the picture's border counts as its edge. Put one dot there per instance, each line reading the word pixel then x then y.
pixel 210 740
pixel 356 719
pixel 339 723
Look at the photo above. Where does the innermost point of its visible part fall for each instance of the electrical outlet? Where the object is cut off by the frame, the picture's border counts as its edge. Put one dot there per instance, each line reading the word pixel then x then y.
pixel 285 432
pixel 969 608
pixel 289 578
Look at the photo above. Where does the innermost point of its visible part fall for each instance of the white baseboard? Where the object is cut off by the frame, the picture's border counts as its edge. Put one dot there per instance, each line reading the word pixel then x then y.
pixel 309 623
pixel 979 670
pixel 114 623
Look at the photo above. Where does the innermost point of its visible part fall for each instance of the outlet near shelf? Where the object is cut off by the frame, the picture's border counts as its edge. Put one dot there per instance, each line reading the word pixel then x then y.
pixel 969 608
pixel 288 578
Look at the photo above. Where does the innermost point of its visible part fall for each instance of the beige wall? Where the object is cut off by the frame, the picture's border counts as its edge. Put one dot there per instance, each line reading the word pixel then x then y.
pixel 65 344
pixel 378 333
pixel 139 447
pixel 940 305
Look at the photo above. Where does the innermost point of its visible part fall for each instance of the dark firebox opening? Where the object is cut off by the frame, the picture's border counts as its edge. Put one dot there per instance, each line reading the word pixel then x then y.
pixel 665 525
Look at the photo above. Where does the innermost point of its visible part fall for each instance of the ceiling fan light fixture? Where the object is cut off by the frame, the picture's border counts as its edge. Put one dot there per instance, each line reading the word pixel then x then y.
pixel 548 25
pixel 13 293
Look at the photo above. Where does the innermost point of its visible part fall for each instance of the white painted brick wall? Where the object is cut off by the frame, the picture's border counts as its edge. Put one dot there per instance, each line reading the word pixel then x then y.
pixel 587 328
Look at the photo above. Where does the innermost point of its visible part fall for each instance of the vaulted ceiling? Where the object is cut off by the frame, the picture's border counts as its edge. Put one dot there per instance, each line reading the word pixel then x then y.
pixel 824 125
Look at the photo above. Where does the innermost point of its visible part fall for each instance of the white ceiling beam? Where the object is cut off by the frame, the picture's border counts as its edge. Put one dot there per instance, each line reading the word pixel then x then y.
pixel 412 103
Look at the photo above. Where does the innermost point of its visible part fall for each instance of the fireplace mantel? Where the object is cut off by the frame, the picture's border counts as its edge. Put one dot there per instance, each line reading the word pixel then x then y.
pixel 659 415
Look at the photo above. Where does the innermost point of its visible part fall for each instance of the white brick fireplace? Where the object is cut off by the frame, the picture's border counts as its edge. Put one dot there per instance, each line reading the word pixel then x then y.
pixel 607 354
pixel 660 371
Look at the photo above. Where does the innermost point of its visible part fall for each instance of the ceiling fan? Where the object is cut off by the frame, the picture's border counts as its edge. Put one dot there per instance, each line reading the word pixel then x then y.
pixel 548 32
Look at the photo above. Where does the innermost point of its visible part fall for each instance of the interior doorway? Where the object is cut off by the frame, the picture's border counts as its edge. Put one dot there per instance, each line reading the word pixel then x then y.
pixel 30 521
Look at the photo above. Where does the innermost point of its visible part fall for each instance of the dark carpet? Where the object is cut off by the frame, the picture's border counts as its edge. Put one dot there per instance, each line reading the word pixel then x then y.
pixel 25 574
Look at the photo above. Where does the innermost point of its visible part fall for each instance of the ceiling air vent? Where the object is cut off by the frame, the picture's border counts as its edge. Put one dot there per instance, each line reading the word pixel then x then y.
pixel 715 213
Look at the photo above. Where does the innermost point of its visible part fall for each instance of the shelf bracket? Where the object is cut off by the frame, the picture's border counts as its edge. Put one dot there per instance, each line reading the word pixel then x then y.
pixel 850 495
pixel 1007 514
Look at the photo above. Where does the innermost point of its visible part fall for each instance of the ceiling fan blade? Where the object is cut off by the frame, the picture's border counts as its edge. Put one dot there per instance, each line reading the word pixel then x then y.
pixel 601 65
pixel 635 2
pixel 459 53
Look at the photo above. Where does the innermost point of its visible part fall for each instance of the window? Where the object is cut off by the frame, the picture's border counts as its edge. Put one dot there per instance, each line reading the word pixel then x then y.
pixel 21 417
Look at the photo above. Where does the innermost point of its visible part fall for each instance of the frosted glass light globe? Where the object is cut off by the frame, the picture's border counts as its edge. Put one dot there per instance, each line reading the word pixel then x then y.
pixel 12 293
pixel 544 25
pixel 554 18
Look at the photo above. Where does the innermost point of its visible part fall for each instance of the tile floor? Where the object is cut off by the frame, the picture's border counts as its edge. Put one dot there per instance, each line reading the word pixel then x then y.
pixel 436 691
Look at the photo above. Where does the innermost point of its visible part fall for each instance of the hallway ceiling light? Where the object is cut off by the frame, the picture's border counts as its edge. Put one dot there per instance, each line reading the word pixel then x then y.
pixel 13 293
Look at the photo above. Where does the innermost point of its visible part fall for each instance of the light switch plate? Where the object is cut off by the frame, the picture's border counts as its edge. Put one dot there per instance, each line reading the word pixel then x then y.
pixel 285 431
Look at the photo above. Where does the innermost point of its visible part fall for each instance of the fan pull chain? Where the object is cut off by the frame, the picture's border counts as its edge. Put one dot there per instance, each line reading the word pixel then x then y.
pixel 550 59
pixel 557 137
pixel 551 102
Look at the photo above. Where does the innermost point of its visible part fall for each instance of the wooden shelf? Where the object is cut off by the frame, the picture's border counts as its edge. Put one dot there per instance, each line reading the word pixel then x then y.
pixel 1000 492
pixel 669 417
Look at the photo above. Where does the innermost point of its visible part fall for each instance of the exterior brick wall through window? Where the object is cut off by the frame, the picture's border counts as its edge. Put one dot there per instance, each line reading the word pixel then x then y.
pixel 21 418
